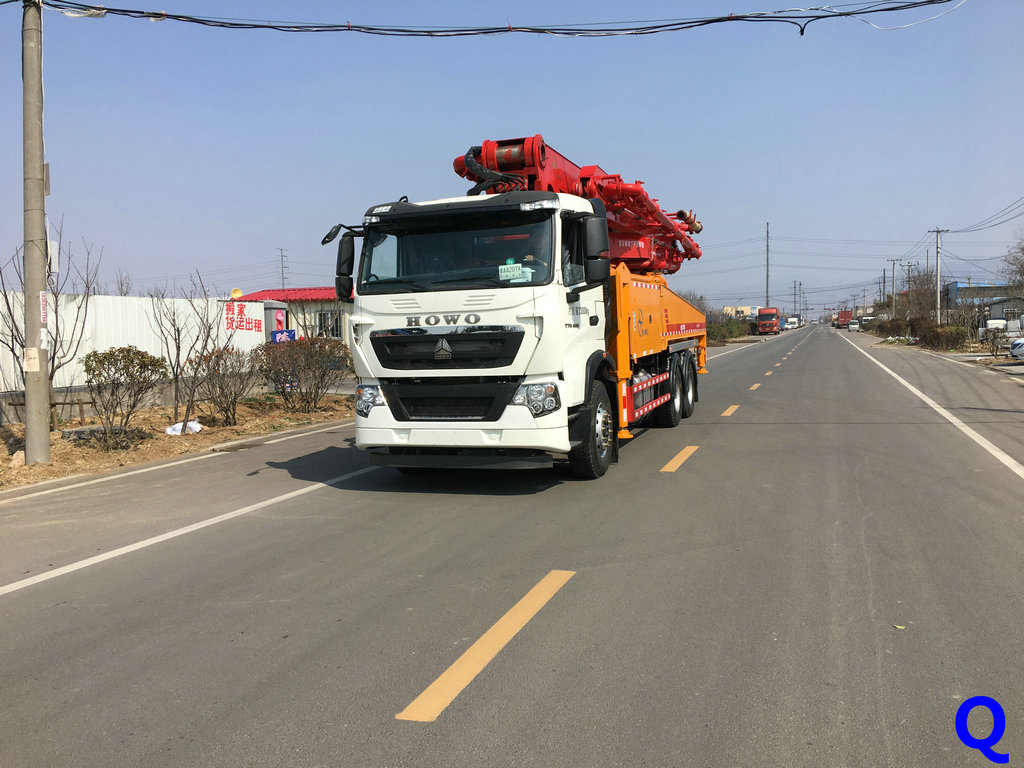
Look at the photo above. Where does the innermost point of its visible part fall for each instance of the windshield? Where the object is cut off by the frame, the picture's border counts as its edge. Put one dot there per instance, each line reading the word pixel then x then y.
pixel 442 253
pixel 766 318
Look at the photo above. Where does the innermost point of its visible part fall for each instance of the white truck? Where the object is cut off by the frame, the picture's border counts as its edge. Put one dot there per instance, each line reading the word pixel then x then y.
pixel 507 329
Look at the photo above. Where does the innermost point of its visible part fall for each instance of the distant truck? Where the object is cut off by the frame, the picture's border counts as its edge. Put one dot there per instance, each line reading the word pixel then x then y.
pixel 768 321
pixel 844 318
pixel 793 322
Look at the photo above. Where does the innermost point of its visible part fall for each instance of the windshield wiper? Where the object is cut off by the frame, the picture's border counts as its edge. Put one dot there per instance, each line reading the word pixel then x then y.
pixel 389 282
pixel 472 280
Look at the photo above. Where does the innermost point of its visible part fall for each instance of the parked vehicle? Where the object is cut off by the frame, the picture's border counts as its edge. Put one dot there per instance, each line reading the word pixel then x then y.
pixel 1017 349
pixel 768 321
pixel 534 321
pixel 853 326
pixel 843 318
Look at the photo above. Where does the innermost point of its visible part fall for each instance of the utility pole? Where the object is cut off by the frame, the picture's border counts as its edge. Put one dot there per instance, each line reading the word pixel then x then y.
pixel 281 251
pixel 938 246
pixel 36 362
pixel 794 297
pixel 767 301
pixel 910 266
pixel 894 262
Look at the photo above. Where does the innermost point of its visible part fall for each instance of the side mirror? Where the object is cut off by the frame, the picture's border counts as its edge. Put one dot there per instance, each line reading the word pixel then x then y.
pixel 595 237
pixel 343 287
pixel 346 263
pixel 597 270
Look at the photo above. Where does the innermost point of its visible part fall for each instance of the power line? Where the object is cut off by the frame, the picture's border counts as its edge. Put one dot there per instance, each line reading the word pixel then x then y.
pixel 1016 208
pixel 798 17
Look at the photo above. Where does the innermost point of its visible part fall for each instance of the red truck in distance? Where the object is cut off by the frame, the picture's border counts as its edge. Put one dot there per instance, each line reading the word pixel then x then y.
pixel 845 316
pixel 767 321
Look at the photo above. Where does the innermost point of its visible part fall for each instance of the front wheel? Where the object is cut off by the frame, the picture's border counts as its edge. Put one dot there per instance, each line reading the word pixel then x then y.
pixel 591 459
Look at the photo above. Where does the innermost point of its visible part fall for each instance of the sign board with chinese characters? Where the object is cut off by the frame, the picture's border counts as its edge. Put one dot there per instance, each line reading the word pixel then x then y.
pixel 279 336
pixel 243 317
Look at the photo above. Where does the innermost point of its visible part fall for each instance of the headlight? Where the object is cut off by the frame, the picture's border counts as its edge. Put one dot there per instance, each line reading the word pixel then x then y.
pixel 366 397
pixel 541 398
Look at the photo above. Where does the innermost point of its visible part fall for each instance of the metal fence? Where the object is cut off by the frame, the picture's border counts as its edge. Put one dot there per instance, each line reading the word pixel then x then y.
pixel 119 321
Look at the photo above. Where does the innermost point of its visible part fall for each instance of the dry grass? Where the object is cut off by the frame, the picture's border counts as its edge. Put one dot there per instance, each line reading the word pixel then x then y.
pixel 257 416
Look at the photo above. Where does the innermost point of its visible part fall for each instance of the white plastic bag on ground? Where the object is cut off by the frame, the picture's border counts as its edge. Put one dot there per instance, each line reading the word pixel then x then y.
pixel 175 429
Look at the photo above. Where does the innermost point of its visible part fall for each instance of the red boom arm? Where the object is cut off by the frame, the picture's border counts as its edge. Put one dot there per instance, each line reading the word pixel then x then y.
pixel 642 235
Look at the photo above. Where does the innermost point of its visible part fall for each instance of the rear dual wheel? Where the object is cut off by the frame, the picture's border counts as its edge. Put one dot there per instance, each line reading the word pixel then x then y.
pixel 683 387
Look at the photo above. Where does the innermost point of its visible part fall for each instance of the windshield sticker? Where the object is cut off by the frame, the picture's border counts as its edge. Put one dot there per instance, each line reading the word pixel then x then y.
pixel 509 271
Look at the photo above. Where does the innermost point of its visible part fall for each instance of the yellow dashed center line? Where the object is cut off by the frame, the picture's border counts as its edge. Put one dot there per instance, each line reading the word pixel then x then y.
pixel 767 373
pixel 680 457
pixel 778 365
pixel 428 705
pixel 730 410
pixel 754 386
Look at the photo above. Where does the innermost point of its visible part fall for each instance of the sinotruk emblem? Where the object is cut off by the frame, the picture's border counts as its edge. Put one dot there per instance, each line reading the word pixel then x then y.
pixel 442 350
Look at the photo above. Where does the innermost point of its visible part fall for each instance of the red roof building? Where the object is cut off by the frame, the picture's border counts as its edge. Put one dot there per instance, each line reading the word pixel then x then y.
pixel 292 295
pixel 310 311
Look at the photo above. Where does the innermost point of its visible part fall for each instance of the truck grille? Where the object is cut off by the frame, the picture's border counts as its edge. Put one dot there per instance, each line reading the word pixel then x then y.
pixel 449 399
pixel 408 349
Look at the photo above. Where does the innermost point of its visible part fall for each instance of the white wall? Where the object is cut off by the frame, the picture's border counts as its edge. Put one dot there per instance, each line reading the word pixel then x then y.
pixel 120 321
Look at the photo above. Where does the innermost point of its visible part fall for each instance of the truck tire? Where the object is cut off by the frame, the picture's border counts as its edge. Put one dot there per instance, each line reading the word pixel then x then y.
pixel 671 413
pixel 689 387
pixel 591 459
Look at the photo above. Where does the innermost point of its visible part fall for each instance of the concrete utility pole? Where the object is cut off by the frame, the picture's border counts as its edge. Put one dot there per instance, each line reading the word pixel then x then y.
pixel 37 380
pixel 767 300
pixel 938 246
pixel 910 266
pixel 894 262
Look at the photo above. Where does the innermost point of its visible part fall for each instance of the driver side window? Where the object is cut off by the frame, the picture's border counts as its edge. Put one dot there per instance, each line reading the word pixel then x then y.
pixel 572 253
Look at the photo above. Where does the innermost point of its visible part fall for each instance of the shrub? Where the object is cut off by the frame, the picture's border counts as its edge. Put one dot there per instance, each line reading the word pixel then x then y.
pixel 225 375
pixel 730 329
pixel 895 327
pixel 305 370
pixel 119 379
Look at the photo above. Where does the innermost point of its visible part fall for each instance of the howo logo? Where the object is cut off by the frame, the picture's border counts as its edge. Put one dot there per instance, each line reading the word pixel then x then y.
pixel 417 321
pixel 442 350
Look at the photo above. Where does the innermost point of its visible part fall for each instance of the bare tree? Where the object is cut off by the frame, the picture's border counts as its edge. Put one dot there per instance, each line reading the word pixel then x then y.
pixel 67 298
pixel 920 300
pixel 172 323
pixel 1013 263
pixel 123 283
pixel 188 332
pixel 697 300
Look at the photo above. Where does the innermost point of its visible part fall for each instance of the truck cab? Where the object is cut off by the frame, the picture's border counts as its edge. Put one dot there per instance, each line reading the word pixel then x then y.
pixel 472 312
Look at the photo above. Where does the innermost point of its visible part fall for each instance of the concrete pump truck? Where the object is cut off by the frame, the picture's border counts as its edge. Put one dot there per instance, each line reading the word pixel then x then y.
pixel 528 324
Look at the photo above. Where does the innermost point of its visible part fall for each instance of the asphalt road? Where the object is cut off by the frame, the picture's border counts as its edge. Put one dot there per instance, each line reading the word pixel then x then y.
pixel 818 568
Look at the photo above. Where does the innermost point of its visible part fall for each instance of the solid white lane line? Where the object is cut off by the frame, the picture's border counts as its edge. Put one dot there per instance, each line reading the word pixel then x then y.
pixel 108 478
pixel 1013 465
pixel 15 586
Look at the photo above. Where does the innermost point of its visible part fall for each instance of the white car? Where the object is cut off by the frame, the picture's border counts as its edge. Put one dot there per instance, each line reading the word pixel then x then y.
pixel 854 326
pixel 1017 349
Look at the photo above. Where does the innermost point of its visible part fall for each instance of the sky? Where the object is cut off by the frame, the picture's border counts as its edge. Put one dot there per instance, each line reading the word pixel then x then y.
pixel 176 148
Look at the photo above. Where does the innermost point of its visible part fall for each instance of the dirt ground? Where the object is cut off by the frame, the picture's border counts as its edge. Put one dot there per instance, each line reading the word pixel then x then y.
pixel 258 416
